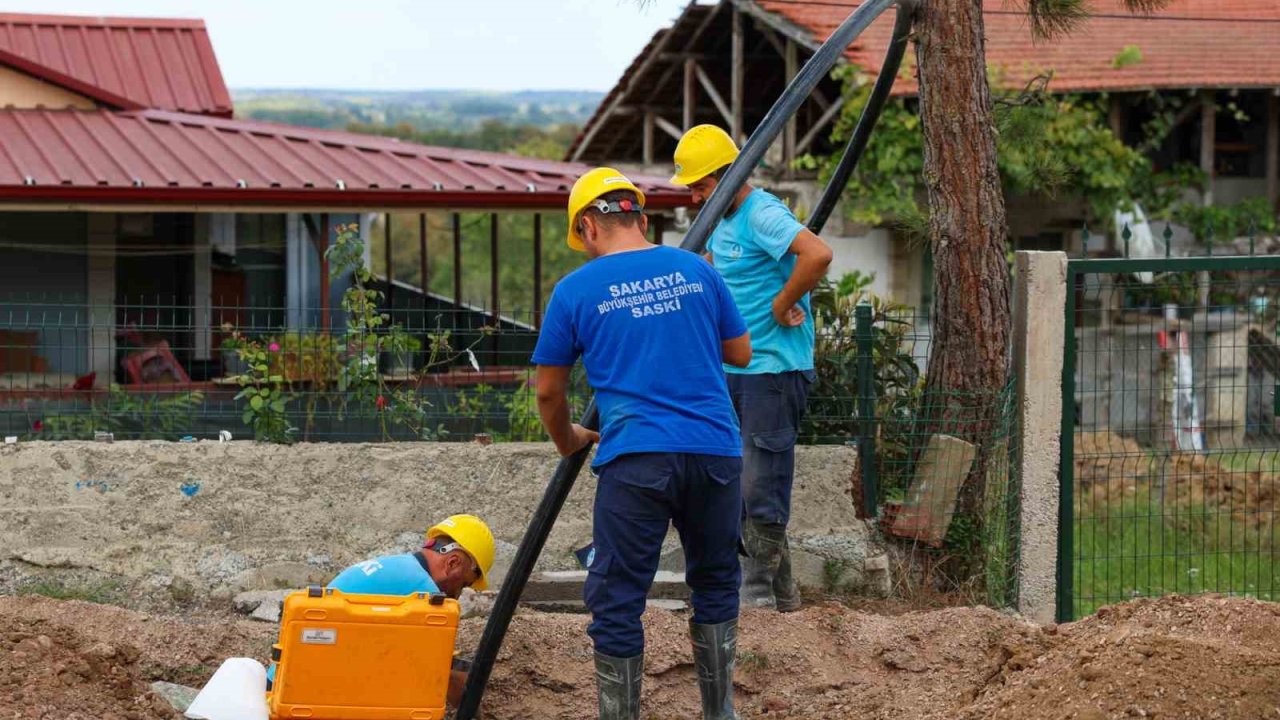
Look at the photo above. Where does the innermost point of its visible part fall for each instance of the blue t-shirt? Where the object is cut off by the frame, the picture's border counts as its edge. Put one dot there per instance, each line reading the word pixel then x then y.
pixel 648 325
pixel 750 248
pixel 389 575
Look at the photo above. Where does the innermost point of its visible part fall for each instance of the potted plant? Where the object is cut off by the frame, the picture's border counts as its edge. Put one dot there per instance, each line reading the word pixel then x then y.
pixel 305 356
pixel 398 351
pixel 233 342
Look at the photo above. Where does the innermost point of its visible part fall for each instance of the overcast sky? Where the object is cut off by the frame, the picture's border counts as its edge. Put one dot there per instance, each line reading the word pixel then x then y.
pixel 408 44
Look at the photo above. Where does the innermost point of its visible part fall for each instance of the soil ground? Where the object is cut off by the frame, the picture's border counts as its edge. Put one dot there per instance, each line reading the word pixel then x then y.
pixel 1176 657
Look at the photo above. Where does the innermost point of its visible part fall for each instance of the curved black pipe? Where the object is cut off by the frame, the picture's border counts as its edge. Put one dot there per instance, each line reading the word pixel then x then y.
pixel 786 106
pixel 867 121
pixel 535 536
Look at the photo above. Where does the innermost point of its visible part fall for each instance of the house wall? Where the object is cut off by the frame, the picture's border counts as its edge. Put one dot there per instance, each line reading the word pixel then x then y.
pixel 43 284
pixel 20 90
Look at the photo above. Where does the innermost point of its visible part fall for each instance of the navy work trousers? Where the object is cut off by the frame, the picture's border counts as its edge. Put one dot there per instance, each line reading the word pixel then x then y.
pixel 637 497
pixel 770 407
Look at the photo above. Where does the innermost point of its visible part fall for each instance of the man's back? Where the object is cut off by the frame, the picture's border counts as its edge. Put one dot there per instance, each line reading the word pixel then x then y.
pixel 649 326
pixel 388 575
pixel 750 247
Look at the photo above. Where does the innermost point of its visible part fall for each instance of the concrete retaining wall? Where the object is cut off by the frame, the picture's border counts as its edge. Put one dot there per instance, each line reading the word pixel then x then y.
pixel 240 516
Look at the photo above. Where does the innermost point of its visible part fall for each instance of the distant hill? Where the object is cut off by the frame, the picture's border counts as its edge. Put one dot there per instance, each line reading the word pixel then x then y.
pixel 454 110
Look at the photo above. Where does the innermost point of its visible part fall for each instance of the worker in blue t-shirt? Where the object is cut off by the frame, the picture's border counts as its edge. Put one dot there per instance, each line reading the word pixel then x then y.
pixel 652 325
pixel 458 553
pixel 770 261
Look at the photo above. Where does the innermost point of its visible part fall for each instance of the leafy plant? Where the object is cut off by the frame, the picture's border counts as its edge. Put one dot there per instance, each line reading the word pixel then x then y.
pixel 1226 222
pixel 359 380
pixel 1046 145
pixel 263 392
pixel 832 411
pixel 152 416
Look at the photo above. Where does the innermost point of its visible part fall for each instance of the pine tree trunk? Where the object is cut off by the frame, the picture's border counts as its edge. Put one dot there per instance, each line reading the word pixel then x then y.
pixel 969 357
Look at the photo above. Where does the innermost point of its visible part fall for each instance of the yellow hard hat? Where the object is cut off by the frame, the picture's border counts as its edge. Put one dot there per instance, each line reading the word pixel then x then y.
pixel 475 538
pixel 703 150
pixel 590 186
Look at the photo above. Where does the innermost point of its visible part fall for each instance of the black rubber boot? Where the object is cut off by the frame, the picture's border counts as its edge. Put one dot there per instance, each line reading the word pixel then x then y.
pixel 763 543
pixel 785 591
pixel 618 681
pixel 715 650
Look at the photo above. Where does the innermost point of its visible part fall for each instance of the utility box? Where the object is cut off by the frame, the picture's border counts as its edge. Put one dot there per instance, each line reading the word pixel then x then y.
pixel 363 657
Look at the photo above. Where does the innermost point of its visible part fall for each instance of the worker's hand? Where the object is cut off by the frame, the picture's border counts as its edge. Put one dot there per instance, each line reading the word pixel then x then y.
pixel 787 316
pixel 582 437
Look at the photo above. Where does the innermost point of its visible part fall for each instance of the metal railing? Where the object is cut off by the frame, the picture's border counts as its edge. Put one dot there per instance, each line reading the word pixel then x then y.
pixel 147 368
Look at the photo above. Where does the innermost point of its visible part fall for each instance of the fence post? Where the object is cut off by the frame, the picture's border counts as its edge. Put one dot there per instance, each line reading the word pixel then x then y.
pixel 864 334
pixel 1039 327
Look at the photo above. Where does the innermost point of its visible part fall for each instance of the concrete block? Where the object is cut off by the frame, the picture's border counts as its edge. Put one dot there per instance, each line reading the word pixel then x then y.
pixel 476 604
pixel 179 697
pixel 809 569
pixel 248 602
pixel 931 499
pixel 561 585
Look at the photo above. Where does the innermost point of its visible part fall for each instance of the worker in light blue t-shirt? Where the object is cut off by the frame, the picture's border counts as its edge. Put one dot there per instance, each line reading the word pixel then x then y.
pixel 770 262
pixel 652 326
pixel 458 553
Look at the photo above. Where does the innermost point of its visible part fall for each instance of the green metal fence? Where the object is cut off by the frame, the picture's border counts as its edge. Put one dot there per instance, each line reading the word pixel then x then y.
pixel 1170 450
pixel 70 369
pixel 935 468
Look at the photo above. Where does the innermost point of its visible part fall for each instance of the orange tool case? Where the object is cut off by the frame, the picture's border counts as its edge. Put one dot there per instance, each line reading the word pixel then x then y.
pixel 363 657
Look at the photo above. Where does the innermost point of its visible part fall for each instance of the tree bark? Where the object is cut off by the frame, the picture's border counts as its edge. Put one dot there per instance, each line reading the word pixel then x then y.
pixel 969 357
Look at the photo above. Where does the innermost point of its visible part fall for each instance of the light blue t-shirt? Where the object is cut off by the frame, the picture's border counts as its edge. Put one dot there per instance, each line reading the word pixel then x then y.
pixel 648 325
pixel 389 575
pixel 750 247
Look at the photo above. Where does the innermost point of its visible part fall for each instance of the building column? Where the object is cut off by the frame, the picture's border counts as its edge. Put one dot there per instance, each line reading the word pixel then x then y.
pixel 1039 326
pixel 202 288
pixel 1208 138
pixel 100 297
pixel 1273 148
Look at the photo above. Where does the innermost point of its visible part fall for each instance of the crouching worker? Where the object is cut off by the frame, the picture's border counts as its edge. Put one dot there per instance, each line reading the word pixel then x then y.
pixel 458 553
pixel 652 325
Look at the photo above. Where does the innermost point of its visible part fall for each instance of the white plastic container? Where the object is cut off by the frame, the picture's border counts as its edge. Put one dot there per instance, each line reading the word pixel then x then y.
pixel 237 691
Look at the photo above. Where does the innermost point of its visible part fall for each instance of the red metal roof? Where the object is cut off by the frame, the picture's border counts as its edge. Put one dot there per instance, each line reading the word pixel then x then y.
pixel 158 157
pixel 1187 44
pixel 125 63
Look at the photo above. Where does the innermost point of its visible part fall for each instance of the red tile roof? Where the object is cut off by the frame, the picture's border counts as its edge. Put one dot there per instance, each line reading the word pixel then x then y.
pixel 154 156
pixel 1187 44
pixel 124 63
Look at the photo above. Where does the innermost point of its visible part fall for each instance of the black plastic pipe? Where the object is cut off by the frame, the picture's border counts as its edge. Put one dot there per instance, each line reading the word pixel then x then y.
pixel 818 67
pixel 867 121
pixel 535 536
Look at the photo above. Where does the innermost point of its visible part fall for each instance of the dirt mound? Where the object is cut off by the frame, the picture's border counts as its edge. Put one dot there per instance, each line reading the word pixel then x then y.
pixel 56 673
pixel 70 660
pixel 825 662
pixel 1177 657
pixel 1110 468
pixel 1173 657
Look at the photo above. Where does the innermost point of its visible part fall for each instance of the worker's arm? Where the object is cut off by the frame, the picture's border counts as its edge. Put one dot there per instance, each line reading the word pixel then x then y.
pixel 737 351
pixel 553 407
pixel 813 257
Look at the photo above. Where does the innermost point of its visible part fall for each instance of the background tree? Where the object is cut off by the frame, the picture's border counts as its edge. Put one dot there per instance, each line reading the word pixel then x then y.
pixel 969 359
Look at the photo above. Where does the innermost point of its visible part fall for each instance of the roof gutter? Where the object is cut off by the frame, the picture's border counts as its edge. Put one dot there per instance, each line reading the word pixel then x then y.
pixel 315 199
